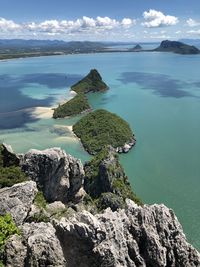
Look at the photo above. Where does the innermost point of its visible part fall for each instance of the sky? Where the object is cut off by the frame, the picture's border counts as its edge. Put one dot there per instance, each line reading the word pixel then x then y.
pixel 102 20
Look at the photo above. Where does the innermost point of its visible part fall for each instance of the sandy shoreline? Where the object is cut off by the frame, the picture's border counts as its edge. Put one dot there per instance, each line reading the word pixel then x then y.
pixel 42 112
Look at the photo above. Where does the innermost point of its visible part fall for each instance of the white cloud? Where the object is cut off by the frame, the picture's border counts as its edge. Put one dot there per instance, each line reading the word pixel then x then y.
pixel 83 24
pixel 8 25
pixel 193 23
pixel 127 23
pixel 154 18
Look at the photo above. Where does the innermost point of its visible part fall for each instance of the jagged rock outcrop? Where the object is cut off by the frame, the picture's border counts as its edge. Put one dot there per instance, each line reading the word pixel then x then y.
pixel 59 175
pixel 105 179
pixel 17 200
pixel 148 236
pixel 37 247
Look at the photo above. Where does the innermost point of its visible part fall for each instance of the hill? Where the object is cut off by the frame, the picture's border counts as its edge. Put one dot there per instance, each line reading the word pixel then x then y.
pixel 177 47
pixel 100 128
pixel 91 83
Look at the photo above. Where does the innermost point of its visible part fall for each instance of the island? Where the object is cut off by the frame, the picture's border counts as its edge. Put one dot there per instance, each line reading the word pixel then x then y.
pixel 136 48
pixel 177 47
pixel 91 83
pixel 100 128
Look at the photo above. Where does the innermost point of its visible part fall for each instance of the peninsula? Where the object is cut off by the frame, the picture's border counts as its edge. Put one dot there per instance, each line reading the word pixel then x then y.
pixel 91 83
pixel 177 47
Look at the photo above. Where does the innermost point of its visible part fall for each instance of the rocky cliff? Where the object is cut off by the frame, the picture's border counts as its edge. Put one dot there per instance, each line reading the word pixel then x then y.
pixel 131 235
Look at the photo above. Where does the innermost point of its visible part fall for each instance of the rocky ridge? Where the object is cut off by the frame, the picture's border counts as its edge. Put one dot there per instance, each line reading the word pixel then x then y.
pixel 132 235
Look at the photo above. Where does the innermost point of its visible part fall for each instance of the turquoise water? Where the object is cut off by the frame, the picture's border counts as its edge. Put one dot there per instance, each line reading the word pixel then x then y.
pixel 157 93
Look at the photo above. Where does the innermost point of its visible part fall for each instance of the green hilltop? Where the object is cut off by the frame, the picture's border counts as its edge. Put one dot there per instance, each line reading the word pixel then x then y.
pixel 91 83
pixel 100 128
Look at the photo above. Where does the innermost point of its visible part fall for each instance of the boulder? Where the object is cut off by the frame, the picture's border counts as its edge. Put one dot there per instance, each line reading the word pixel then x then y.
pixel 59 175
pixel 17 200
pixel 37 247
pixel 134 236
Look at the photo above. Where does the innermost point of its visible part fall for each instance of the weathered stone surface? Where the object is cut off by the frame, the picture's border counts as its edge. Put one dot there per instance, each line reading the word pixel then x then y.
pixel 136 236
pixel 17 200
pixel 37 247
pixel 58 174
pixel 15 251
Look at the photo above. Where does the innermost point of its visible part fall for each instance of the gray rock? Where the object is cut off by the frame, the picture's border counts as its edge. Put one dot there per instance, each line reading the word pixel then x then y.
pixel 37 247
pixel 15 251
pixel 134 236
pixel 17 200
pixel 58 174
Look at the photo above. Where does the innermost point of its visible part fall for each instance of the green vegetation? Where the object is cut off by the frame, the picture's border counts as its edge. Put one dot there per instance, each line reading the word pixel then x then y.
pixel 100 128
pixel 10 173
pixel 7 228
pixel 91 83
pixel 105 181
pixel 40 200
pixel 10 176
pixel 73 107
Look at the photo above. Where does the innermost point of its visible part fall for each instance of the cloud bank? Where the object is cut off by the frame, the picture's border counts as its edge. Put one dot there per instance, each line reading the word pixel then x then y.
pixel 154 18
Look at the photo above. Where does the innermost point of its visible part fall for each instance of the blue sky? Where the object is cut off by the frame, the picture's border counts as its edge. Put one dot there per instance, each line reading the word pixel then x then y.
pixel 109 20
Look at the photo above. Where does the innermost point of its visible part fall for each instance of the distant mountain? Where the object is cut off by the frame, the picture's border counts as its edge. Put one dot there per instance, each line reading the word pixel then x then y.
pixel 177 47
pixel 136 48
pixel 20 43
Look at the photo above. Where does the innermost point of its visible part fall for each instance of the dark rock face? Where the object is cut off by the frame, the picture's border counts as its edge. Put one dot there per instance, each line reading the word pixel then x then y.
pixel 7 156
pixel 134 236
pixel 177 47
pixel 104 174
pixel 57 174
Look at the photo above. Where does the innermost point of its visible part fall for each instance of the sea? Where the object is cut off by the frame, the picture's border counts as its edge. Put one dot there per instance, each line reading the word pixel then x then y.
pixel 157 93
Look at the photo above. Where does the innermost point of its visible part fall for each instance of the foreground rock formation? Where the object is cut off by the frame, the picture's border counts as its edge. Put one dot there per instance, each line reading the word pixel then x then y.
pixel 134 236
pixel 57 174
pixel 69 235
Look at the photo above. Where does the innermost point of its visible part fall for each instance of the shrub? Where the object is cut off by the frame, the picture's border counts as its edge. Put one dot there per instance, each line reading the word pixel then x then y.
pixel 11 175
pixel 7 228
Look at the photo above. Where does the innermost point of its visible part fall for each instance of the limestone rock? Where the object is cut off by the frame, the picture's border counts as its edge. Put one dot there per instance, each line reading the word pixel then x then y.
pixel 15 251
pixel 134 236
pixel 17 200
pixel 58 174
pixel 38 247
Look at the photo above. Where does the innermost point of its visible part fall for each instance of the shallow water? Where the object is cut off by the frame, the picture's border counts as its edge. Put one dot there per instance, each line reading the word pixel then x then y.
pixel 157 93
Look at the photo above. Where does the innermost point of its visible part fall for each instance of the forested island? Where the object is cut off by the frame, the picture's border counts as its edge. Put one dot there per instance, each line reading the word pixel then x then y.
pixel 100 128
pixel 90 83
